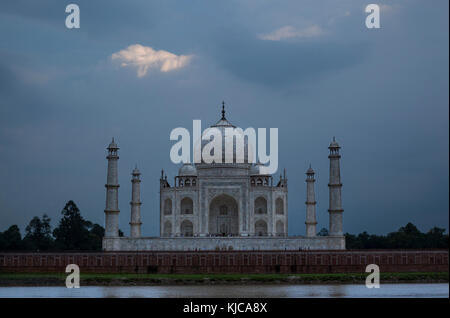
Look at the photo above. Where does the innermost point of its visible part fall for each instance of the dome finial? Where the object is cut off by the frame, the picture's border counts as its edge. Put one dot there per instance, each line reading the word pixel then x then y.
pixel 223 109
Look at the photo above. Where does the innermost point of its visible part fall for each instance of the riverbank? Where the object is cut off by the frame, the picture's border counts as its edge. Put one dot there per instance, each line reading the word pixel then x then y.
pixel 95 279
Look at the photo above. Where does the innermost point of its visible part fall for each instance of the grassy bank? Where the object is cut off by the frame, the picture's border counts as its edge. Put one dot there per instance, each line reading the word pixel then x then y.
pixel 119 279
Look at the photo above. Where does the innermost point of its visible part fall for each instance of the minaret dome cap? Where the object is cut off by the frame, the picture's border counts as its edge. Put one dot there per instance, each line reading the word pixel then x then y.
pixel 113 145
pixel 334 144
pixel 136 171
pixel 310 170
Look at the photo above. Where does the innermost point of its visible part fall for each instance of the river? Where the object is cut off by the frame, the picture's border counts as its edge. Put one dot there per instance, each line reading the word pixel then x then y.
pixel 232 291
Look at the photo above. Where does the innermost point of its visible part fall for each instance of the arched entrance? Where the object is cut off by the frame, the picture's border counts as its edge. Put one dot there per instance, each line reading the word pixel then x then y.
pixel 223 216
pixel 187 228
pixel 261 228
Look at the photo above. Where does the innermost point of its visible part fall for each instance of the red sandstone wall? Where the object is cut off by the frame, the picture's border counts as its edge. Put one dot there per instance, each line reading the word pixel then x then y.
pixel 230 261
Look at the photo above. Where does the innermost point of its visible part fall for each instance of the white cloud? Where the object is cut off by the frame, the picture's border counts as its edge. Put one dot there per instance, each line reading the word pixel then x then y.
pixel 289 32
pixel 144 57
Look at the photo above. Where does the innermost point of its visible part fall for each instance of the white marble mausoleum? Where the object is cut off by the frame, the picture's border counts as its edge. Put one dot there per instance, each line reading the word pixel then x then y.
pixel 223 206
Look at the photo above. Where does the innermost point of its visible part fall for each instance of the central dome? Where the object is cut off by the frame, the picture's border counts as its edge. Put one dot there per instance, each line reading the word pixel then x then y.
pixel 223 125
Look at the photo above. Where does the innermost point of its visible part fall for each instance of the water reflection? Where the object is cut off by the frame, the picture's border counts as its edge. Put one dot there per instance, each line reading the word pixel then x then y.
pixel 233 291
pixel 337 291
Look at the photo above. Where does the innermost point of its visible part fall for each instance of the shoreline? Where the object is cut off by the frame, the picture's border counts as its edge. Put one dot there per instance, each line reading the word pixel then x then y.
pixel 93 279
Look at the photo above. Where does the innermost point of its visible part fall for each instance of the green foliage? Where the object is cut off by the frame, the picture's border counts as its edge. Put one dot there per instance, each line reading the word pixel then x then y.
pixel 38 234
pixel 407 237
pixel 123 279
pixel 72 233
pixel 11 239
pixel 323 232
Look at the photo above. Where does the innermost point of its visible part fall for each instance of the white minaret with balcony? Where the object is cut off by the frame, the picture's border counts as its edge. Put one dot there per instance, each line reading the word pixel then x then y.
pixel 112 193
pixel 335 186
pixel 135 223
pixel 310 204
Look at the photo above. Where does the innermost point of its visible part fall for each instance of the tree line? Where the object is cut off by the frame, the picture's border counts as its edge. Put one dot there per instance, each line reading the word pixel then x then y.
pixel 72 233
pixel 75 233
pixel 407 237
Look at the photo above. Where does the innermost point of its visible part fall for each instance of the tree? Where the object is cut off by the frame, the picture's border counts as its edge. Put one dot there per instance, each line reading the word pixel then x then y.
pixel 76 233
pixel 323 232
pixel 407 236
pixel 38 234
pixel 11 239
pixel 364 238
pixel 436 238
pixel 96 236
pixel 72 232
pixel 352 242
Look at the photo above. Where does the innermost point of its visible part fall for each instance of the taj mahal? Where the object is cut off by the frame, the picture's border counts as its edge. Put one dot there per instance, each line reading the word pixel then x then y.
pixel 223 206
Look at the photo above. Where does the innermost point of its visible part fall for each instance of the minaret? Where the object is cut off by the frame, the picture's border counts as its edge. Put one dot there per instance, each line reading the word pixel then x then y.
pixel 310 204
pixel 135 223
pixel 335 186
pixel 112 191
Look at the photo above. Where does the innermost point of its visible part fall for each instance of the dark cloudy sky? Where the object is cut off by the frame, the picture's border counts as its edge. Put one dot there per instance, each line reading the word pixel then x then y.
pixel 310 68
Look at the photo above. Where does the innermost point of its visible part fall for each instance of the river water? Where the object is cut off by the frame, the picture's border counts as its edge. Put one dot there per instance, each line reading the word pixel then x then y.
pixel 233 291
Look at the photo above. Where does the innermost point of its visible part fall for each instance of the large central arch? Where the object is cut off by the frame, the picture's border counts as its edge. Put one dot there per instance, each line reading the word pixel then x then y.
pixel 223 216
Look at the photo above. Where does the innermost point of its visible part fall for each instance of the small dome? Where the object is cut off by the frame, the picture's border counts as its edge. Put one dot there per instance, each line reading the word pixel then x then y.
pixel 187 170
